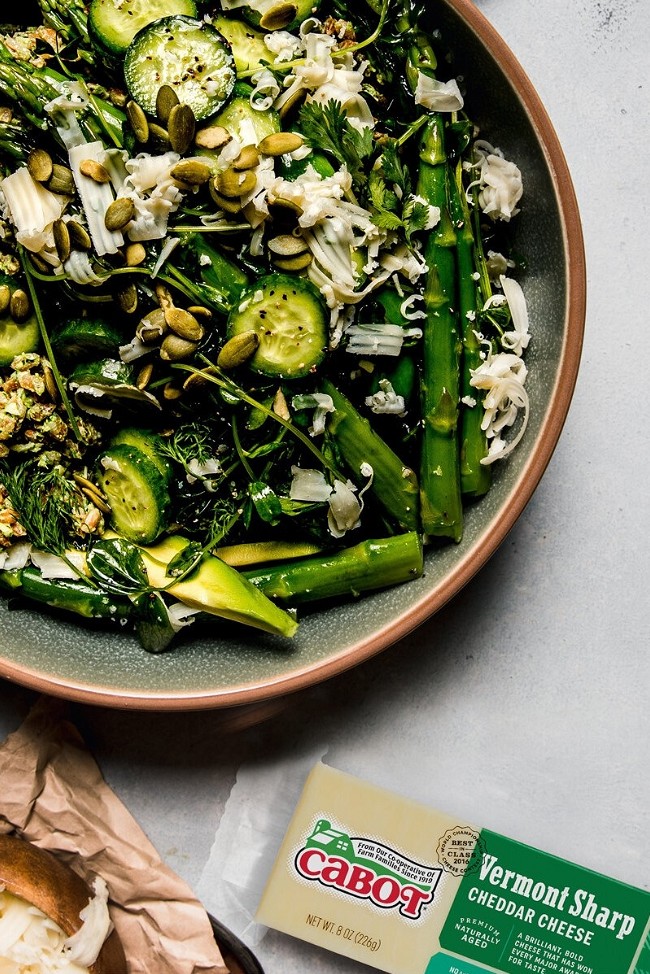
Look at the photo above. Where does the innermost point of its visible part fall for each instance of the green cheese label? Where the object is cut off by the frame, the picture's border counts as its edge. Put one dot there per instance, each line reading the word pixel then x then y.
pixel 519 909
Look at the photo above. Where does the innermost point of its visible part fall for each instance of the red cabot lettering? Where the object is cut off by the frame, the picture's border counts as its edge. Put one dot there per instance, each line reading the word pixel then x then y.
pixel 310 863
pixel 360 881
pixel 336 871
pixel 413 900
pixel 385 890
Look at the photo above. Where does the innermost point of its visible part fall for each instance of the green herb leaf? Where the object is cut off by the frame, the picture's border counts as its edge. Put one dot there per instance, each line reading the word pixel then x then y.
pixel 266 501
pixel 152 624
pixel 327 128
pixel 186 560
pixel 118 566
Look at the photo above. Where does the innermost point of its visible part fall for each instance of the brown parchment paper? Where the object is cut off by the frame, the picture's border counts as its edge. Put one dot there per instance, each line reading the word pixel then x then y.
pixel 53 794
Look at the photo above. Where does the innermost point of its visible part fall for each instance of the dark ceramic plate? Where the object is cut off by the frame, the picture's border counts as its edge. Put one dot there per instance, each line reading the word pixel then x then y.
pixel 237 956
pixel 222 666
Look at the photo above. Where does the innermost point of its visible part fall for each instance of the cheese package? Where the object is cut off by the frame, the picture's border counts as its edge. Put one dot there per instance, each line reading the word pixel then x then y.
pixel 410 890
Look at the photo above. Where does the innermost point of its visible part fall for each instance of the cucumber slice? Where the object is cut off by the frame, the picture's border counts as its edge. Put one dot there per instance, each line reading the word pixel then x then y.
pixel 87 338
pixel 290 319
pixel 274 14
pixel 16 337
pixel 187 54
pixel 248 47
pixel 113 26
pixel 136 491
pixel 147 442
pixel 245 123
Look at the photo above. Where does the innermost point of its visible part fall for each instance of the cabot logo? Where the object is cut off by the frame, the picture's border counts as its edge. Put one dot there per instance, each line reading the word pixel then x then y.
pixel 367 870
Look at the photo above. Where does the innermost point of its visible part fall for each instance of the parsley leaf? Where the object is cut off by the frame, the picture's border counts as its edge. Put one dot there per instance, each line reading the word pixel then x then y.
pixel 327 127
pixel 393 205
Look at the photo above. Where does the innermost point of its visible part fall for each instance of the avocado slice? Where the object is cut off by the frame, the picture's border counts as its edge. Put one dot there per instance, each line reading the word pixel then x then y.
pixel 216 588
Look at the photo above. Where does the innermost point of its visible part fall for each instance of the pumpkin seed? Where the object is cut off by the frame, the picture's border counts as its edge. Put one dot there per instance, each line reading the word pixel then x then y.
pixel 291 103
pixel 159 136
pixel 144 376
pixel 248 158
pixel 171 391
pixel 164 296
pixel 287 245
pixel 79 236
pixel 127 298
pixel 192 172
pixel 181 126
pixel 61 235
pixel 5 298
pixel 61 181
pixel 200 312
pixel 94 170
pixel 279 143
pixel 40 264
pixel 134 255
pixel 119 213
pixel 174 348
pixel 212 137
pixel 232 184
pixel 39 164
pixel 229 205
pixel 197 379
pixel 285 204
pixel 95 498
pixel 184 324
pixel 50 384
pixel 166 99
pixel 279 16
pixel 293 263
pixel 19 306
pixel 152 327
pixel 281 406
pixel 238 349
pixel 138 121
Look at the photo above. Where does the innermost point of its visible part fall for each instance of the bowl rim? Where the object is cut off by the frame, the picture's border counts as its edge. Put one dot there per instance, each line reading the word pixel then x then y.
pixel 256 693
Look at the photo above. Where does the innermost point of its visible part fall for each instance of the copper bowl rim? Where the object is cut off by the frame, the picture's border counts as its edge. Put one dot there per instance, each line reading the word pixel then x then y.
pixel 270 689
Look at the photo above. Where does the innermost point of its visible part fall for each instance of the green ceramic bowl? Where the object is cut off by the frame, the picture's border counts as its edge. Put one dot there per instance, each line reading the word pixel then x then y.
pixel 224 666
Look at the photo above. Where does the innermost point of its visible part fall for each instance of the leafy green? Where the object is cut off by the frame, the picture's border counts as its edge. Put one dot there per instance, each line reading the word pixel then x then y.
pixel 118 567
pixel 327 128
pixel 152 623
pixel 390 196
pixel 47 500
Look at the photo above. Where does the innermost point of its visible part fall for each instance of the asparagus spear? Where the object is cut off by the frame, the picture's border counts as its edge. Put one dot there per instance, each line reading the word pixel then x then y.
pixel 475 477
pixel 69 19
pixel 394 484
pixel 30 89
pixel 440 496
pixel 367 566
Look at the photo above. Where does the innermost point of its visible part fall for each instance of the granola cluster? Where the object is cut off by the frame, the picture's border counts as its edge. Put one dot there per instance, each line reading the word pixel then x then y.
pixel 31 420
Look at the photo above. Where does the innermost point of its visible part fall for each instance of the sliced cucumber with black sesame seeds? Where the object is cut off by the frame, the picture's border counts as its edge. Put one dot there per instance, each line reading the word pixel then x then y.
pixel 136 491
pixel 290 319
pixel 273 15
pixel 190 56
pixel 247 43
pixel 148 443
pixel 245 123
pixel 112 26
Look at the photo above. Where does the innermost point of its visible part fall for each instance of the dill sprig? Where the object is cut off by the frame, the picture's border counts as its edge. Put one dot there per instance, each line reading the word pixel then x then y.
pixel 46 501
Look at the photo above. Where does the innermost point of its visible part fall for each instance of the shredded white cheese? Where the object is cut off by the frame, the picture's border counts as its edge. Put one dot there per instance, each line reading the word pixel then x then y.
pixel 500 183
pixel 438 96
pixel 31 942
pixel 33 209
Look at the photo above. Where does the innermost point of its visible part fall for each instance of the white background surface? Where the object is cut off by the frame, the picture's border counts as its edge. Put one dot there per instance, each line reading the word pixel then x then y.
pixel 523 706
